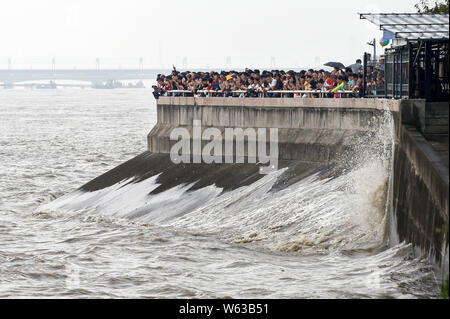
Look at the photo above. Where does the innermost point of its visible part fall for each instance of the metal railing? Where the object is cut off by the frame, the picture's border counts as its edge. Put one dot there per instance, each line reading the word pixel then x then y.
pixel 274 93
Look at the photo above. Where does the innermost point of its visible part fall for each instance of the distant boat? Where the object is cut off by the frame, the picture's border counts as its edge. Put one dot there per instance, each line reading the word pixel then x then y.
pixel 111 84
pixel 50 85
pixel 7 85
pixel 114 84
pixel 138 85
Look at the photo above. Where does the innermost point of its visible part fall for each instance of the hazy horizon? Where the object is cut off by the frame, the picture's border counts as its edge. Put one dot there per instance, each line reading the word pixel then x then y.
pixel 195 34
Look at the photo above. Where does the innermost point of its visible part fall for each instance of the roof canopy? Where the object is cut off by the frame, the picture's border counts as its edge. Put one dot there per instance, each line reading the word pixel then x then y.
pixel 411 26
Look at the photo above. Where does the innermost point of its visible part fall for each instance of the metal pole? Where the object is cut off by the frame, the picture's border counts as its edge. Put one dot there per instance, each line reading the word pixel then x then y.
pixel 364 75
pixel 374 50
pixel 428 71
pixel 385 82
pixel 393 75
pixel 401 72
pixel 410 72
pixel 436 59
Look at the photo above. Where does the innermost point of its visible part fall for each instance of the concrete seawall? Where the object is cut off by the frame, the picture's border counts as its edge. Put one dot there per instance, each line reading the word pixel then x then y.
pixel 420 199
pixel 310 130
pixel 322 130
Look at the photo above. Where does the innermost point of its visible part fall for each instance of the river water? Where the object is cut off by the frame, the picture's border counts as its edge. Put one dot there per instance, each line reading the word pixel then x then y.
pixel 318 238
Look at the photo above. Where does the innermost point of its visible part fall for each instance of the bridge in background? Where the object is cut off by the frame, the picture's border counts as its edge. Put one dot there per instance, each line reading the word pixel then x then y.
pixel 100 75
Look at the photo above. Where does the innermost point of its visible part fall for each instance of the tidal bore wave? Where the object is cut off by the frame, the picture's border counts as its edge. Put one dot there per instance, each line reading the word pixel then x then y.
pixel 303 208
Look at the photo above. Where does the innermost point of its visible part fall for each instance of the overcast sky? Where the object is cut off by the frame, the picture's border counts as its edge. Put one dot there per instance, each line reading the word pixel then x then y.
pixel 254 33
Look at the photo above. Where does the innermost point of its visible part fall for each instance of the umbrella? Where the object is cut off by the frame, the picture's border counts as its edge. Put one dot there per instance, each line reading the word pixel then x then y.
pixel 338 65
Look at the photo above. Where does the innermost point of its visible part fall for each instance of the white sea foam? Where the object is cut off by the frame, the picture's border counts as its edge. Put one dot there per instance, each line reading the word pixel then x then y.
pixel 130 199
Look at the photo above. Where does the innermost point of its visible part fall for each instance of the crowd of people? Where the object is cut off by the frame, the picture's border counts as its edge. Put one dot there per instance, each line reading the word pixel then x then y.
pixel 256 83
pixel 375 80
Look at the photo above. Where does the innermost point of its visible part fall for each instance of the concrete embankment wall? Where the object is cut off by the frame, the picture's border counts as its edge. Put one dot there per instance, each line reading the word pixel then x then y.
pixel 320 130
pixel 421 181
pixel 311 130
pixel 421 199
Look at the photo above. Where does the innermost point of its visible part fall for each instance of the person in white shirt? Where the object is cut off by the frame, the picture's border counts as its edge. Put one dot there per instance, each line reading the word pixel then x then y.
pixel 273 84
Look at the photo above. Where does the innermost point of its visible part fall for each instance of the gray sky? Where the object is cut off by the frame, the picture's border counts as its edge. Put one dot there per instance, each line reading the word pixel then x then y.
pixel 251 32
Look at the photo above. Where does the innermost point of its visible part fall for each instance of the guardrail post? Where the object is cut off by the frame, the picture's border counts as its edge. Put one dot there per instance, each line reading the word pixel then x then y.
pixel 364 75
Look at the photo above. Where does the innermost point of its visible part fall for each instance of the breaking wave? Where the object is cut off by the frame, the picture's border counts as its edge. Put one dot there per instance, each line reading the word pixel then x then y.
pixel 342 207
